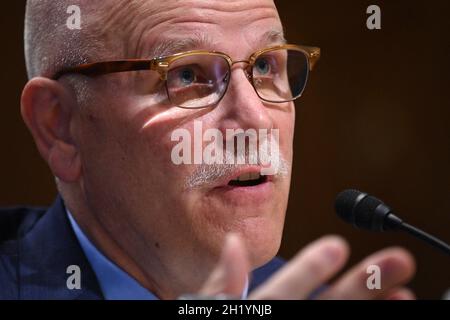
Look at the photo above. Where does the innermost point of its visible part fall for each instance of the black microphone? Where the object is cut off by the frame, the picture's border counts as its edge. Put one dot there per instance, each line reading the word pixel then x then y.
pixel 367 212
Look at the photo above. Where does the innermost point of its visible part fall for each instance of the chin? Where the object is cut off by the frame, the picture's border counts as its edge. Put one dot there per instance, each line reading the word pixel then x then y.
pixel 259 226
pixel 262 238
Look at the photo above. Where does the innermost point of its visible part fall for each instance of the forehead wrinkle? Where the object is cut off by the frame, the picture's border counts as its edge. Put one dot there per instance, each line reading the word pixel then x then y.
pixel 120 15
pixel 123 20
pixel 230 6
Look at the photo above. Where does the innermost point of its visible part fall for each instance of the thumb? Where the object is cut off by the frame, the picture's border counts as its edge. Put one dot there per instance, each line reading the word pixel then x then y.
pixel 231 273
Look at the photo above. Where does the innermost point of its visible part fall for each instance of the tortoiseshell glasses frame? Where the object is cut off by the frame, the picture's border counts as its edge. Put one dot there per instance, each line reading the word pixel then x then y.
pixel 198 78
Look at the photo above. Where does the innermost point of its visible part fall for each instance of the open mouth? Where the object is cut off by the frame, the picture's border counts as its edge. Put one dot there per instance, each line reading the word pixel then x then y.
pixel 248 180
pixel 245 187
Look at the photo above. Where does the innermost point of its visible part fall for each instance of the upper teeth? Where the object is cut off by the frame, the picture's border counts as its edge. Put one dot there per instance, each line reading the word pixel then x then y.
pixel 248 176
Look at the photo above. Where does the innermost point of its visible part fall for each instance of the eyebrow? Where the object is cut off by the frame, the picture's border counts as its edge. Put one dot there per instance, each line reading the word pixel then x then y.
pixel 174 45
pixel 273 36
pixel 202 41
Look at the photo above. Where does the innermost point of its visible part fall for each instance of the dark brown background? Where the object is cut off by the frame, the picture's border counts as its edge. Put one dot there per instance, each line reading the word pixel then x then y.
pixel 375 116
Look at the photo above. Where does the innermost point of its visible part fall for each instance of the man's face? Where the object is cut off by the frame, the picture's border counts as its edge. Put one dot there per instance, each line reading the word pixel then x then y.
pixel 124 136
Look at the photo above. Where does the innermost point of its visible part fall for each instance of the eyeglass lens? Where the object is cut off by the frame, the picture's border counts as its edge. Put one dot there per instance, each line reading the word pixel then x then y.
pixel 200 80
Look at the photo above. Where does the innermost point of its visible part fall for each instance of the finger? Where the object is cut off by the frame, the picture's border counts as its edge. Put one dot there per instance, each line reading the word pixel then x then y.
pixel 308 270
pixel 401 294
pixel 230 275
pixel 396 267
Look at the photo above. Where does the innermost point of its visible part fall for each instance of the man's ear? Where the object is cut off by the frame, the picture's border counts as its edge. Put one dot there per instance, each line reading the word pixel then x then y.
pixel 47 109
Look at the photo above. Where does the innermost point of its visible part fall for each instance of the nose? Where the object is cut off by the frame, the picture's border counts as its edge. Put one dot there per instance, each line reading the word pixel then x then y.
pixel 241 107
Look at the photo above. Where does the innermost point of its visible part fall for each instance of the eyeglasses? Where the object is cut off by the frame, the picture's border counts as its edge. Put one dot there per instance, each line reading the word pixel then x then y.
pixel 199 79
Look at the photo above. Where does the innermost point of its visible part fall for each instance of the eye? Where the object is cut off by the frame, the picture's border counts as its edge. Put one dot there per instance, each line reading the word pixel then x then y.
pixel 262 66
pixel 187 76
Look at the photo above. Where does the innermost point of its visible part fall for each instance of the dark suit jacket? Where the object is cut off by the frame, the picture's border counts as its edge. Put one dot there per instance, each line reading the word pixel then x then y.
pixel 38 244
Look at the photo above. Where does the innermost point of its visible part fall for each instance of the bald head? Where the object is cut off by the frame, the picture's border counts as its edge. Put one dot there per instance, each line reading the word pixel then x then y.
pixel 51 45
pixel 105 28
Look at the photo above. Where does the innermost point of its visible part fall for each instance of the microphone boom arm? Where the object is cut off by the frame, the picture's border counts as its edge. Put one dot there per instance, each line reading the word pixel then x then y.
pixel 428 238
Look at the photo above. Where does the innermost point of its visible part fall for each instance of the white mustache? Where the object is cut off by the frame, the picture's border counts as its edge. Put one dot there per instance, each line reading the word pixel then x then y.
pixel 207 174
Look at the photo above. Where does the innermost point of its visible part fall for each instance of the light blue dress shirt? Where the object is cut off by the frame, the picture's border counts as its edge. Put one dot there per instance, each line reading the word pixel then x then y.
pixel 115 283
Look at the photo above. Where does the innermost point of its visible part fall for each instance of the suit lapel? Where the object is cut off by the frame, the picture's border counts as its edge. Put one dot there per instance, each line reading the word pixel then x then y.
pixel 46 252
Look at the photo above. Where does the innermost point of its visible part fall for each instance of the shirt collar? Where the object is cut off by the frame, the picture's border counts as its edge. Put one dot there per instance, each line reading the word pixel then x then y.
pixel 114 282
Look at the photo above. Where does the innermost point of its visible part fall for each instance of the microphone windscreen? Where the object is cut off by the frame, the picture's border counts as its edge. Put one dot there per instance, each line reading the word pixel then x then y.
pixel 345 201
pixel 359 209
pixel 364 213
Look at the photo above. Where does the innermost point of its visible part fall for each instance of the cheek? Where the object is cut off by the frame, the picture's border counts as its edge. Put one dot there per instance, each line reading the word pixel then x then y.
pixel 124 158
pixel 284 121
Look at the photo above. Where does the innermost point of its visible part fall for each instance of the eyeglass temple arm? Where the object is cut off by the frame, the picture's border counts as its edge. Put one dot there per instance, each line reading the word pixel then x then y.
pixel 101 68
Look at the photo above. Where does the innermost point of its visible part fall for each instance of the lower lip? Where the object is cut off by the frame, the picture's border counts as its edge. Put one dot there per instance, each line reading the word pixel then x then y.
pixel 245 195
